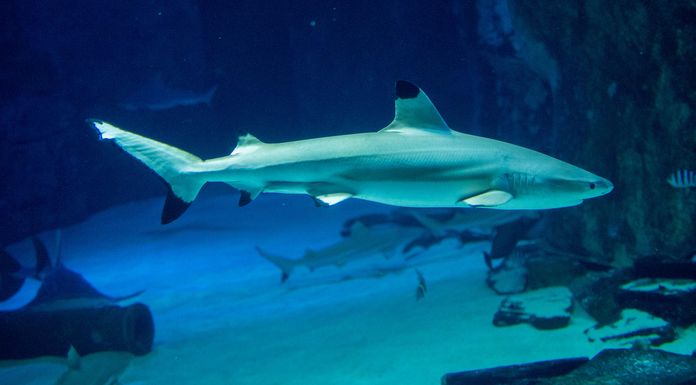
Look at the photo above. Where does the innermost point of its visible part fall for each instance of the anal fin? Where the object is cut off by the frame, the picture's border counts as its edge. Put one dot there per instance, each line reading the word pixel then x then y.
pixel 490 198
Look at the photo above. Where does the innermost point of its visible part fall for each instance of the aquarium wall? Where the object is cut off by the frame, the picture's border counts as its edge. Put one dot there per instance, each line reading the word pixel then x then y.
pixel 605 86
pixel 623 107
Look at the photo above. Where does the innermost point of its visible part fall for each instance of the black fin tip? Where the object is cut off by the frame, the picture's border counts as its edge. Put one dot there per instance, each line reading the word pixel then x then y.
pixel 244 198
pixel 406 90
pixel 174 207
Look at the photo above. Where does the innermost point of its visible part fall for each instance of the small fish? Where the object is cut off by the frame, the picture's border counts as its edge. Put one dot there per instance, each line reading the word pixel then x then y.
pixel 682 179
pixel 422 287
pixel 103 368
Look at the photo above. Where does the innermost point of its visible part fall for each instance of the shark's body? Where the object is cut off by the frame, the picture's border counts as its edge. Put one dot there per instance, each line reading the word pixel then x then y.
pixel 155 95
pixel 474 221
pixel 416 161
pixel 379 241
pixel 103 368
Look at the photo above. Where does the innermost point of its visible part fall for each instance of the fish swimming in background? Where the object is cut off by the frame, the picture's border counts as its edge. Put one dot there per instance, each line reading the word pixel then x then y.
pixel 377 241
pixel 155 95
pixel 103 368
pixel 416 161
pixel 476 221
pixel 682 179
pixel 398 217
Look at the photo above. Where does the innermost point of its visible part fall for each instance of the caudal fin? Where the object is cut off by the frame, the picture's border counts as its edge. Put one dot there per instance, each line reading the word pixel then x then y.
pixel 285 265
pixel 170 163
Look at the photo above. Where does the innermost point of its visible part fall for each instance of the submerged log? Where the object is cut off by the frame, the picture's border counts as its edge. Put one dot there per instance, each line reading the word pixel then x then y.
pixel 32 333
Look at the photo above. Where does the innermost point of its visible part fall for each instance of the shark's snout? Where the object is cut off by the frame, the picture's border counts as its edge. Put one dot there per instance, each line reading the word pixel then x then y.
pixel 606 186
pixel 601 186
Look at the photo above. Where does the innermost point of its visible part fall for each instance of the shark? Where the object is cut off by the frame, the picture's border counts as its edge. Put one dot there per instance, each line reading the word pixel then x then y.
pixel 415 161
pixel 363 242
pixel 103 368
pixel 155 95
pixel 475 221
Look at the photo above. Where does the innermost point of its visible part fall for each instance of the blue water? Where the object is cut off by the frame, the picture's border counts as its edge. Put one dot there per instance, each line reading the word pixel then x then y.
pixel 199 74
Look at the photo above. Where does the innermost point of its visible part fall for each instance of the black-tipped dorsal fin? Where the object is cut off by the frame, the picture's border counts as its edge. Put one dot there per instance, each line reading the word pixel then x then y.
pixel 247 143
pixel 415 111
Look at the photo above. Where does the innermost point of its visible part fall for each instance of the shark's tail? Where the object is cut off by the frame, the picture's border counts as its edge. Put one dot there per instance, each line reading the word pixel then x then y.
pixel 170 163
pixel 285 265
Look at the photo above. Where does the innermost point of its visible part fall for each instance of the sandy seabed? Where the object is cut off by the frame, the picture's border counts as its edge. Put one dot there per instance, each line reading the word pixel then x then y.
pixel 223 317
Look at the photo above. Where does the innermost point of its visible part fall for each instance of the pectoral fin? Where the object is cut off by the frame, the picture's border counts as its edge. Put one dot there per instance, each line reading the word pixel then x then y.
pixel 490 198
pixel 245 197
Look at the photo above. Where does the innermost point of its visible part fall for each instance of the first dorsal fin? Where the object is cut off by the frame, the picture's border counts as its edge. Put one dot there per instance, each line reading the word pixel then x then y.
pixel 415 111
pixel 247 143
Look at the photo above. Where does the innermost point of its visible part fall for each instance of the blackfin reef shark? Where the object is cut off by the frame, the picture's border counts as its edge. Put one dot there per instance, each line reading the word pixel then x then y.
pixel 386 241
pixel 103 368
pixel 415 161
pixel 155 95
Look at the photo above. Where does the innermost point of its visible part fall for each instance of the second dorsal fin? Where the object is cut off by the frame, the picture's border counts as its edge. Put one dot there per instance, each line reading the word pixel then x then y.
pixel 247 143
pixel 415 111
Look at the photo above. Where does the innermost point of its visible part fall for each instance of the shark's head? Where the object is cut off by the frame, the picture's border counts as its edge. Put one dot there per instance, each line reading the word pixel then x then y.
pixel 557 184
pixel 576 190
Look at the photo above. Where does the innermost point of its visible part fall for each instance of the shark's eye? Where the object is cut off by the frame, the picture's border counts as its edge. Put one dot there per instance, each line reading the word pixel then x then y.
pixel 592 186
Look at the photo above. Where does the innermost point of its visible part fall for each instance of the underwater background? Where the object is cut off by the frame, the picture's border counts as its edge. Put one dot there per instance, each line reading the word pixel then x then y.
pixel 607 86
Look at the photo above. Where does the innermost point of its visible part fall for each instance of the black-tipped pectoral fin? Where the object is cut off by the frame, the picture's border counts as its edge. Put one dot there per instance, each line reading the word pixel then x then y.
pixel 173 208
pixel 246 197
pixel 490 198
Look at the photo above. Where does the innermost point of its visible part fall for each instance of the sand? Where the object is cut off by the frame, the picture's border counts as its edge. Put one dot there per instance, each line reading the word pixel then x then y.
pixel 223 317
